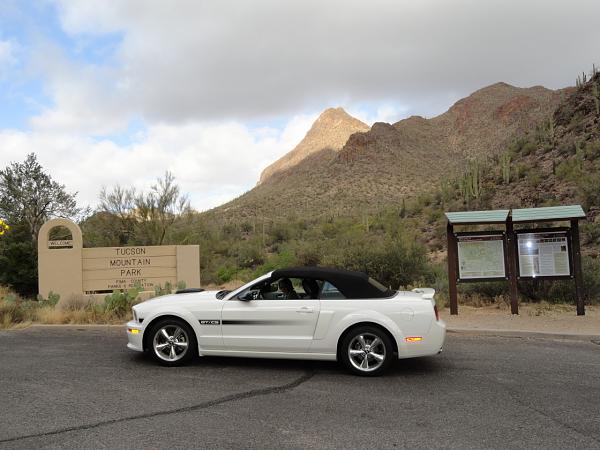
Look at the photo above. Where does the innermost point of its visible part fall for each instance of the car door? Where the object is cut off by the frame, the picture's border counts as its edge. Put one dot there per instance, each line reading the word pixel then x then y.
pixel 269 325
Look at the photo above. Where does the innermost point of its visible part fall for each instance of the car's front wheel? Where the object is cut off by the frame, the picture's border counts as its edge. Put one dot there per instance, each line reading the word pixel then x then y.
pixel 172 342
pixel 367 351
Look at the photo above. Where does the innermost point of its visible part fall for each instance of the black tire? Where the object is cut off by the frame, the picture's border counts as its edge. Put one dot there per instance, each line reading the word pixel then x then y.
pixel 180 340
pixel 352 342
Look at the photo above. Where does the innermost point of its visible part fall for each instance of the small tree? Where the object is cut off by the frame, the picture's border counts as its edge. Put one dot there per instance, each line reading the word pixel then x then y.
pixel 28 198
pixel 158 209
pixel 120 204
pixel 29 195
pixel 18 260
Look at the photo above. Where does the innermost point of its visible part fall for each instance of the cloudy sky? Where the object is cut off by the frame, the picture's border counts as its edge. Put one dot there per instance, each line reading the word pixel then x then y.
pixel 118 91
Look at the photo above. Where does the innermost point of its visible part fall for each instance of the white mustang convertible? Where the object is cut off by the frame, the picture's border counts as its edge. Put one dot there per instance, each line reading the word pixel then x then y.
pixel 297 313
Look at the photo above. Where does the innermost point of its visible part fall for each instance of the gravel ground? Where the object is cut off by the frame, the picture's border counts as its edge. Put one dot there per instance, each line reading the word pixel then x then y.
pixel 543 318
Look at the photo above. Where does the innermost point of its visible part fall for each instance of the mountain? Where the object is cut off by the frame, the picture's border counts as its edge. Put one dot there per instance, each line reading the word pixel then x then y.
pixel 557 162
pixel 330 131
pixel 388 163
pixel 533 147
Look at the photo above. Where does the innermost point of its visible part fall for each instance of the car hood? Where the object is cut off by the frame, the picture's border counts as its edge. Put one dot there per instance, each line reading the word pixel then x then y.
pixel 178 299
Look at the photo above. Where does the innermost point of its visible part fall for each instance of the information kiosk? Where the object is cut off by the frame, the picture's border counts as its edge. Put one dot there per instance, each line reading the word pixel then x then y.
pixel 513 254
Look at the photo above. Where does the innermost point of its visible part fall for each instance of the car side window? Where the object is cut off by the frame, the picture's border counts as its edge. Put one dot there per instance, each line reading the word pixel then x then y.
pixel 330 292
pixel 280 289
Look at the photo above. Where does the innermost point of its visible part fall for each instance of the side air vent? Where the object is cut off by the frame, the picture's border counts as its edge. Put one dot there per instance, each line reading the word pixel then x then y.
pixel 189 290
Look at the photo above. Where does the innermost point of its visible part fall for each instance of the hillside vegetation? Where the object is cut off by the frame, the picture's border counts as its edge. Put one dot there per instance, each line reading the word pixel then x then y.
pixel 390 162
pixel 401 240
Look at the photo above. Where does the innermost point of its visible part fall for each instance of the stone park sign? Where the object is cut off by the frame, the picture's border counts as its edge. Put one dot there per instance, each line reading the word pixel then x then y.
pixel 68 269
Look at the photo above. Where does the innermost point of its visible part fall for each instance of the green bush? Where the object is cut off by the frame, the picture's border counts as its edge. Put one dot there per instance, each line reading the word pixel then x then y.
pixel 588 189
pixel 120 302
pixel 18 260
pixel 225 274
pixel 563 291
pixel 569 170
pixel 51 301
pixel 160 290
pixel 592 150
pixel 395 263
pixel 528 148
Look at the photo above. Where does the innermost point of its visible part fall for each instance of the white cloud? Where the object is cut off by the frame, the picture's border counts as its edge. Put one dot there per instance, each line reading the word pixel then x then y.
pixel 190 60
pixel 212 162
pixel 196 74
pixel 86 98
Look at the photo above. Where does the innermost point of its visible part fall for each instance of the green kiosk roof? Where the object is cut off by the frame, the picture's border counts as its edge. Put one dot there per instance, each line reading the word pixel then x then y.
pixel 476 217
pixel 548 213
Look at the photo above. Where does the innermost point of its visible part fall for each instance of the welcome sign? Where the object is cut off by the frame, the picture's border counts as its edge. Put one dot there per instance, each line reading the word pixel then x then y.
pixel 66 268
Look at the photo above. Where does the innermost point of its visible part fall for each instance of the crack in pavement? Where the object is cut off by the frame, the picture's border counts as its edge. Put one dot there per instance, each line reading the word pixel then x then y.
pixel 204 405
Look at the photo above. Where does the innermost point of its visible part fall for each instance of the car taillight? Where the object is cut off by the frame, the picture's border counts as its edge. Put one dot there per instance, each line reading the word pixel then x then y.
pixel 437 314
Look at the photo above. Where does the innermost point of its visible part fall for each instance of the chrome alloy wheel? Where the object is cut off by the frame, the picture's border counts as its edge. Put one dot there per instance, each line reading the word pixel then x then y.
pixel 366 352
pixel 170 343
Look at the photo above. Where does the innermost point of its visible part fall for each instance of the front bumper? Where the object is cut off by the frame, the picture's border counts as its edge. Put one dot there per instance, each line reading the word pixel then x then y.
pixel 135 336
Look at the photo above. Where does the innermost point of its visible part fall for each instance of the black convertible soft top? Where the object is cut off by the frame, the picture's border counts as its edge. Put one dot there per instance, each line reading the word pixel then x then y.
pixel 351 284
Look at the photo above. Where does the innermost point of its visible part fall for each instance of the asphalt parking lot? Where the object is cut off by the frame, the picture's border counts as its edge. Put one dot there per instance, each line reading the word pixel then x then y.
pixel 80 388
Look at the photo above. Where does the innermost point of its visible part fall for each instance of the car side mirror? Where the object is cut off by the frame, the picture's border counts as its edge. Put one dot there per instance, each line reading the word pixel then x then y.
pixel 248 296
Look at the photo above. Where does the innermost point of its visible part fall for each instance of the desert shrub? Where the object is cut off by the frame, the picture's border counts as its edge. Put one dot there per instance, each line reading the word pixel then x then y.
pixel 588 189
pixel 563 291
pixel 592 150
pixel 10 313
pixel 534 178
pixel 51 301
pixel 394 263
pixel 18 260
pixel 528 148
pixel 590 233
pixel 159 289
pixel 249 256
pixel 569 170
pixel 246 227
pixel 280 233
pixel 225 274
pixel 491 289
pixel 308 255
pixel 120 302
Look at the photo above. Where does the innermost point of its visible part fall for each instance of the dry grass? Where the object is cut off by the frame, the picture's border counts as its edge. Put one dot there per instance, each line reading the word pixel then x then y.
pixel 16 312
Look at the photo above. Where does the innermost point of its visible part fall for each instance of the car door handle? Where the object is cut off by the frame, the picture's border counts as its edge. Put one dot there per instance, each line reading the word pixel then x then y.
pixel 305 309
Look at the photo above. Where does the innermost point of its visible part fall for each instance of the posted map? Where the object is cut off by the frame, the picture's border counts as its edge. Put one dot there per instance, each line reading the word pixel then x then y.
pixel 481 257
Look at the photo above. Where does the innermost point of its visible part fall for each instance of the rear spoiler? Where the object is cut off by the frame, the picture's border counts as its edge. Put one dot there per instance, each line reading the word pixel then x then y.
pixel 426 293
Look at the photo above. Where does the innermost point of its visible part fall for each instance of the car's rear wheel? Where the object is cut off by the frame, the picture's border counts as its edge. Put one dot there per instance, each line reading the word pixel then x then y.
pixel 172 342
pixel 367 351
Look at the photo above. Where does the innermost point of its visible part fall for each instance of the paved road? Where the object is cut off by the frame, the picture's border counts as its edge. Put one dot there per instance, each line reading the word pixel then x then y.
pixel 80 388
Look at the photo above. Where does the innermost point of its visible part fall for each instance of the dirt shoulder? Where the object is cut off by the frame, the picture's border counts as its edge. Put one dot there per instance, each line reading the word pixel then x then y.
pixel 540 318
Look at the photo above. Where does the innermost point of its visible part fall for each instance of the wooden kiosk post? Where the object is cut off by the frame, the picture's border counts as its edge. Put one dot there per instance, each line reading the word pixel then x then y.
pixel 455 274
pixel 452 269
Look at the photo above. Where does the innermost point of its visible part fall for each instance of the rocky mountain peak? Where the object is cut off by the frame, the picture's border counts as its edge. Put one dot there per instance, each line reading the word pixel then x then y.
pixel 330 131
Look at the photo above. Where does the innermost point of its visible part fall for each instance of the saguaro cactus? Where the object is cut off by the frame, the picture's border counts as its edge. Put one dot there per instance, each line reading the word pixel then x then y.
pixel 471 182
pixel 596 97
pixel 505 162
